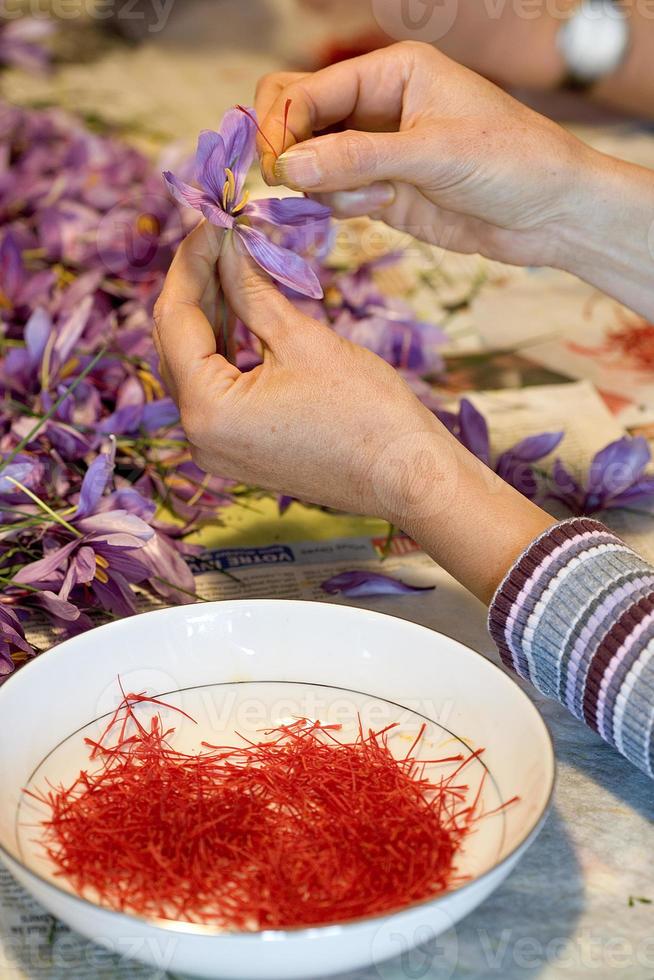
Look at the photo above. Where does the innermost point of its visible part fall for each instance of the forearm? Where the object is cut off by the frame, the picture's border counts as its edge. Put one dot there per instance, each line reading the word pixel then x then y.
pixel 609 240
pixel 471 522
pixel 571 605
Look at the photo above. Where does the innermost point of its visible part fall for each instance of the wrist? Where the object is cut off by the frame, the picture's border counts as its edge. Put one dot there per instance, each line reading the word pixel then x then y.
pixel 607 238
pixel 468 519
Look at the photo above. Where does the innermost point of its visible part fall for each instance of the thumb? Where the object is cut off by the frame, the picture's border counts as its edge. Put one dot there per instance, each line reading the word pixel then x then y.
pixel 350 160
pixel 251 294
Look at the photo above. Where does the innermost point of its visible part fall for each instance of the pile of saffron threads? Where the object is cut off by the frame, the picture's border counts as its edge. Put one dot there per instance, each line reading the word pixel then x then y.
pixel 297 830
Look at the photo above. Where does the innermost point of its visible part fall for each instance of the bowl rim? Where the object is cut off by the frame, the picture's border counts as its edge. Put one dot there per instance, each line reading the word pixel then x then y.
pixel 208 931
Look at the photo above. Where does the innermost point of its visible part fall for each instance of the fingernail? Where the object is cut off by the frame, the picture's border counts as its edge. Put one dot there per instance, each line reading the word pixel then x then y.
pixel 299 168
pixel 268 168
pixel 364 199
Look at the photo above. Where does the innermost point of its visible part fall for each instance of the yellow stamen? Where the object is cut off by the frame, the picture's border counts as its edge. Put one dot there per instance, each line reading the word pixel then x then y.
pixel 148 224
pixel 101 561
pixel 101 576
pixel 69 367
pixel 244 200
pixel 229 188
pixel 5 303
pixel 151 386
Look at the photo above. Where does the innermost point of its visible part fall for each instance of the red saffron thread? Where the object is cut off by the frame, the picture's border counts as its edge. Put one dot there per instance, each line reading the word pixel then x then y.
pixel 246 112
pixel 300 829
pixel 287 106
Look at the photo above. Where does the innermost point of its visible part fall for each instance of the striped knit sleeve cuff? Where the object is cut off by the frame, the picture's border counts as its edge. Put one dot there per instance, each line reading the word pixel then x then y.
pixel 575 616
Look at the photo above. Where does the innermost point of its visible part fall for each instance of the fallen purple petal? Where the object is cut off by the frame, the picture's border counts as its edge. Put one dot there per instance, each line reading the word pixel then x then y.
pixel 356 584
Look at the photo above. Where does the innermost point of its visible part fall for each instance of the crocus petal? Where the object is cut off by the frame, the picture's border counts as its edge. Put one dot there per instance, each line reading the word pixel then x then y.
pixel 115 522
pixel 280 263
pixel 115 595
pixel 80 571
pixel 44 569
pixel 216 215
pixel 474 431
pixel 618 465
pixel 564 479
pixel 12 270
pixel 37 330
pixel 57 606
pixel 287 211
pixel 159 414
pixel 94 484
pixel 72 329
pixel 533 448
pixel 209 144
pixel 642 489
pixel 359 583
pixel 238 134
pixel 130 500
pixel 124 561
pixel 167 569
pixel 191 197
pixel 212 176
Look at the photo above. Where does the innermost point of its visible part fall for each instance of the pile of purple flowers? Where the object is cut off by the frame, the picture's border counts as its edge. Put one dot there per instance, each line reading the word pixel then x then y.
pixel 97 489
pixel 91 452
pixel 98 492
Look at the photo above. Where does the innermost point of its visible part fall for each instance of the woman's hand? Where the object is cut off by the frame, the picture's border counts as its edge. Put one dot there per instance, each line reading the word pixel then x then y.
pixel 313 420
pixel 444 155
pixel 429 147
pixel 326 421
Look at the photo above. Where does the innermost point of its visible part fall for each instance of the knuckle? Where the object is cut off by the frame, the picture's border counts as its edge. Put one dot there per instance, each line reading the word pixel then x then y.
pixel 415 49
pixel 357 152
pixel 264 81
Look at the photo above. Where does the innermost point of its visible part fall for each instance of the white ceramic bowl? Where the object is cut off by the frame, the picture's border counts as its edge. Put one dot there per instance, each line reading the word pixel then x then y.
pixel 246 665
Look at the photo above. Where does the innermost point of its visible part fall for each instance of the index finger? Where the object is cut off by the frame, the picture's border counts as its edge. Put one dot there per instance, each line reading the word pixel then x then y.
pixel 184 335
pixel 362 93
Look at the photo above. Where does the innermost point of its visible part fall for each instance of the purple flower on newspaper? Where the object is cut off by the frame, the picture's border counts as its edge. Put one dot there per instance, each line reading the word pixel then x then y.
pixel 12 639
pixel 356 584
pixel 616 478
pixel 514 465
pixel 222 162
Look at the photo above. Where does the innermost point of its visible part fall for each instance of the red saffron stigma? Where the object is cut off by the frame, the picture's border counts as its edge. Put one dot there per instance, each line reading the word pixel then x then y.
pixel 300 829
pixel 247 112
pixel 287 106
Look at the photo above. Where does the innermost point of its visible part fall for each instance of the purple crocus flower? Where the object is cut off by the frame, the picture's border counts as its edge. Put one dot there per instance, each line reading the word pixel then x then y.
pixel 514 465
pixel 12 639
pixel 616 478
pixel 103 553
pixel 392 331
pixel 356 584
pixel 20 43
pixel 222 162
pixel 18 286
